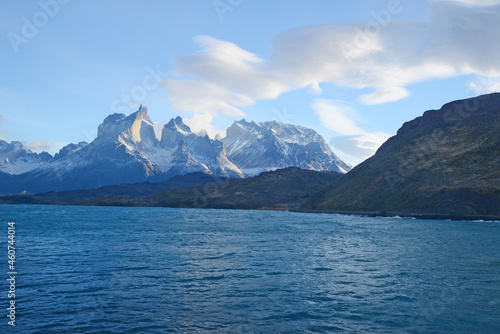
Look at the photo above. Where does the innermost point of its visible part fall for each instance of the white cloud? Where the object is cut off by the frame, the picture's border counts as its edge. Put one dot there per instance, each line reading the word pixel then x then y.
pixel 457 38
pixel 227 66
pixel 158 128
pixel 39 145
pixel 205 97
pixel 353 140
pixel 202 122
pixel 385 95
pixel 475 2
pixel 336 116
pixel 360 146
pixel 485 85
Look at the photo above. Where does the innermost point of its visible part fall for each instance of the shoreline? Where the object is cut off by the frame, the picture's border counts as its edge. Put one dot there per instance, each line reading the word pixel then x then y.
pixel 381 213
pixel 428 216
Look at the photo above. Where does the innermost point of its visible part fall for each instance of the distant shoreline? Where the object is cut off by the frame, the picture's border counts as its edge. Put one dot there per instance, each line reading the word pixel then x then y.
pixel 455 217
pixel 432 216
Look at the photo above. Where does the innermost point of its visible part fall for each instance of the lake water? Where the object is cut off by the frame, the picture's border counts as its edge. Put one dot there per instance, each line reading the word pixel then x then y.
pixel 158 270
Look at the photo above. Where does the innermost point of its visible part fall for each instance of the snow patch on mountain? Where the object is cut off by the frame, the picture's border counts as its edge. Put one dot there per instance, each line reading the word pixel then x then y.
pixel 272 145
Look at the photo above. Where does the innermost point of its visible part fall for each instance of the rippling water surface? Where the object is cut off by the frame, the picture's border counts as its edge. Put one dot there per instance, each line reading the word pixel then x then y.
pixel 155 270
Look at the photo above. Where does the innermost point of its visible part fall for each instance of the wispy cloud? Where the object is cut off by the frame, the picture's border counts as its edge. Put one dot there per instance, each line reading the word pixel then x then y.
pixel 203 122
pixel 352 139
pixel 158 127
pixel 337 116
pixel 457 38
pixel 205 97
pixel 51 147
pixel 360 146
pixel 485 85
pixel 476 2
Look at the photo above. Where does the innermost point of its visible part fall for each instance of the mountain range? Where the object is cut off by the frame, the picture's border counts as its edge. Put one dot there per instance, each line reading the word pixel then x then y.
pixel 126 150
pixel 443 164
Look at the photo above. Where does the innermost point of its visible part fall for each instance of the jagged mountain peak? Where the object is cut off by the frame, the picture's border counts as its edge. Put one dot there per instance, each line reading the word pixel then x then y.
pixel 68 149
pixel 292 133
pixel 16 159
pixel 202 133
pixel 115 124
pixel 174 133
pixel 273 122
pixel 16 145
pixel 243 129
pixel 178 125
pixel 245 123
pixel 115 118
pixel 140 114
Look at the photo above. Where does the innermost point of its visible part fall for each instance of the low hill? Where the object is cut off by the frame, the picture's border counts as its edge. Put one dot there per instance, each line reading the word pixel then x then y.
pixel 119 193
pixel 281 189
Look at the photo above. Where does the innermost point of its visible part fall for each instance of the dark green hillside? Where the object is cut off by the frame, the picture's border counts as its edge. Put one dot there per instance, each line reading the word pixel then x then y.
pixel 280 189
pixel 122 194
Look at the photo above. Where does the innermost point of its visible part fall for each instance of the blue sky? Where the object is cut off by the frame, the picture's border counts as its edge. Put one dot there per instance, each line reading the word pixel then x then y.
pixel 354 71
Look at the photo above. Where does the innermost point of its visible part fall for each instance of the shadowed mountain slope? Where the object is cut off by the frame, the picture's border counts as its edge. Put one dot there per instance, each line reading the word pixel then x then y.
pixel 444 163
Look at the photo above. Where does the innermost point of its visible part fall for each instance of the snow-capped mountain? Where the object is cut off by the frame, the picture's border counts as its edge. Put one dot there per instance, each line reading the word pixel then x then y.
pixel 112 158
pixel 272 145
pixel 16 159
pixel 188 152
pixel 126 150
pixel 70 148
pixel 178 152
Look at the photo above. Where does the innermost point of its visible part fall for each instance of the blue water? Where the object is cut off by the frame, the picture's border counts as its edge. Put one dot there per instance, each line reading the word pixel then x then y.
pixel 156 270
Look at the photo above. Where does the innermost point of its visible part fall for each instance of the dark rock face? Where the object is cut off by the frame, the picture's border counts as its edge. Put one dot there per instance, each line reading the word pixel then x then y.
pixel 444 162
